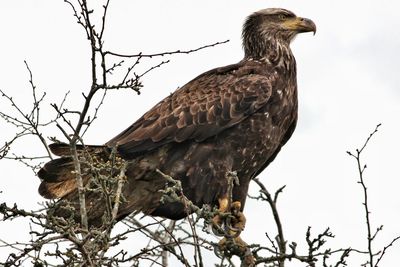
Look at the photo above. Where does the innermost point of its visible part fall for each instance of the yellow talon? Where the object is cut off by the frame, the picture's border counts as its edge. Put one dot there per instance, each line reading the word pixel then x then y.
pixel 230 222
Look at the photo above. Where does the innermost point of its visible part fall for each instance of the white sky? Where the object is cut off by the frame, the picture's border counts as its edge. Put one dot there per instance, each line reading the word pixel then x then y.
pixel 348 79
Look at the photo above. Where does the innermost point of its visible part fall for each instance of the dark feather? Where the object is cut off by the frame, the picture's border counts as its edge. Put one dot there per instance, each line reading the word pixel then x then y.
pixel 56 170
pixel 220 88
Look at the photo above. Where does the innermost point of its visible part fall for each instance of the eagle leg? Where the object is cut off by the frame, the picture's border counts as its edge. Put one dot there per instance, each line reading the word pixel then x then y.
pixel 218 219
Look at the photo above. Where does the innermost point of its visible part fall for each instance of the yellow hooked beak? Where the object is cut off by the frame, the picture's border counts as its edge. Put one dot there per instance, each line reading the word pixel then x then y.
pixel 299 25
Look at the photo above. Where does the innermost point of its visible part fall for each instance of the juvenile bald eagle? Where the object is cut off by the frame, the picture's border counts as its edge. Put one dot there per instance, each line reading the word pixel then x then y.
pixel 232 118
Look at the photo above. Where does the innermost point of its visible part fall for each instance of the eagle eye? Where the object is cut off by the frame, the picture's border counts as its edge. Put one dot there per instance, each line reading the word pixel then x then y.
pixel 282 16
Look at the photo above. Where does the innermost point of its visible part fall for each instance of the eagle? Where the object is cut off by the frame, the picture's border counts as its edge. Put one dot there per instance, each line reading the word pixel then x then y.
pixel 234 118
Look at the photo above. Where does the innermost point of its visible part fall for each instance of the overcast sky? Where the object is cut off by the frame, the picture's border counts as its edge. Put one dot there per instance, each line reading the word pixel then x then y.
pixel 348 79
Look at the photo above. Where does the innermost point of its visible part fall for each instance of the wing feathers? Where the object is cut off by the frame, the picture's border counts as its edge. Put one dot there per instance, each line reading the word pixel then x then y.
pixel 184 133
pixel 202 108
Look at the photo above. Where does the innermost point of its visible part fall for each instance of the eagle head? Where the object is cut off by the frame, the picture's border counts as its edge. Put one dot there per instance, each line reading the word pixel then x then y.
pixel 263 29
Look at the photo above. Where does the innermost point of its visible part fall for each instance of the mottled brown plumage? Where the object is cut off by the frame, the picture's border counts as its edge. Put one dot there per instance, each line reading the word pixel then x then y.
pixel 233 118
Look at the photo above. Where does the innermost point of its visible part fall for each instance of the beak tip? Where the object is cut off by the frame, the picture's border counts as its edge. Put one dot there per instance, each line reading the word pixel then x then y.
pixel 306 25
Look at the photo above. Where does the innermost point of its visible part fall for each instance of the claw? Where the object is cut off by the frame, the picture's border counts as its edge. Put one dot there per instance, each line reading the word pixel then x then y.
pixel 234 235
pixel 230 221
pixel 226 229
pixel 231 225
pixel 236 222
pixel 217 230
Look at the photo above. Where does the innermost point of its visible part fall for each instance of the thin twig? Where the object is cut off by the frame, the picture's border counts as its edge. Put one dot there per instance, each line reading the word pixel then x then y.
pixel 165 53
pixel 272 202
pixel 361 168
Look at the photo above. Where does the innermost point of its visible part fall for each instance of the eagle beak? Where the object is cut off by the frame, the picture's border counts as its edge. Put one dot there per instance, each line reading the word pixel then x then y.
pixel 300 25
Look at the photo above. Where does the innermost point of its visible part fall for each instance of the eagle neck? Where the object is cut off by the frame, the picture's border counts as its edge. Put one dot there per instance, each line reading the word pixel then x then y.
pixel 271 50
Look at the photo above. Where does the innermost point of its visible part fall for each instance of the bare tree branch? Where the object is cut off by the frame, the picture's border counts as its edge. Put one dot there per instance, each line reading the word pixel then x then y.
pixel 166 53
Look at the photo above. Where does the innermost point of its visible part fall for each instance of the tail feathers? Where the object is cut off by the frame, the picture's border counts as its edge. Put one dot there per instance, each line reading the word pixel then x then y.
pixel 69 207
pixel 57 170
pixel 58 176
pixel 59 182
pixel 60 149
pixel 63 149
pixel 57 190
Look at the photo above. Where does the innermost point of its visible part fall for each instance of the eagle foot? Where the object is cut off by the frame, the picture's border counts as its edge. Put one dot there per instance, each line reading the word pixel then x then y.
pixel 228 247
pixel 228 222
